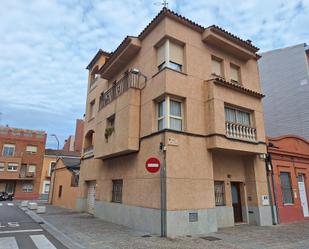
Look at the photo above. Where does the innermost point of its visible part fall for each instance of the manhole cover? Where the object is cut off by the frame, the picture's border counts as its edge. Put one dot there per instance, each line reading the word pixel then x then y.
pixel 210 238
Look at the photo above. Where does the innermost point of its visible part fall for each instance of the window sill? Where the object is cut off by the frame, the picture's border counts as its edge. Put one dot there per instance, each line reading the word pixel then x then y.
pixel 288 204
pixel 168 68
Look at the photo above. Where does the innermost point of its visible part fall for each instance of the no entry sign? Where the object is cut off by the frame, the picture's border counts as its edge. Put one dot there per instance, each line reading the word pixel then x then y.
pixel 153 165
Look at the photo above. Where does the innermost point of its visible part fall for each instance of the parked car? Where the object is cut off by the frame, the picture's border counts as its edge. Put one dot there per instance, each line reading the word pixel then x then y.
pixel 6 197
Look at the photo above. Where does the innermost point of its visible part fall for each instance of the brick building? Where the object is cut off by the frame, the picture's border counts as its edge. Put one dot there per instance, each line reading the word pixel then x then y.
pixel 21 161
pixel 290 172
pixel 75 143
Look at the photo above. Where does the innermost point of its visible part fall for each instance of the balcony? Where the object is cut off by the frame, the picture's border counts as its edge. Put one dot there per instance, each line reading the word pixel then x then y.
pixel 88 152
pixel 239 131
pixel 27 175
pixel 130 80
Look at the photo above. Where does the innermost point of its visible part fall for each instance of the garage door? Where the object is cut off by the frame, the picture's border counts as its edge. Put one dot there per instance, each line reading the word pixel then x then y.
pixel 91 197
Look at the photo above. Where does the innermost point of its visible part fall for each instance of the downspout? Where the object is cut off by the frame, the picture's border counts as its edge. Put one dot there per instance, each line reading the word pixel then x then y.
pixel 270 174
pixel 163 188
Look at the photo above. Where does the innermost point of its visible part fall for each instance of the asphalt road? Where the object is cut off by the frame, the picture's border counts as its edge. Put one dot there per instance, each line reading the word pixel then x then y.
pixel 19 231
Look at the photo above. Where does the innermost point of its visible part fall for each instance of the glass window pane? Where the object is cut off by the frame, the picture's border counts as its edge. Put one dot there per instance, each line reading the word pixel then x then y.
pixel 230 115
pixel 286 188
pixel 161 124
pixel 176 124
pixel 175 66
pixel 243 118
pixel 161 109
pixel 175 108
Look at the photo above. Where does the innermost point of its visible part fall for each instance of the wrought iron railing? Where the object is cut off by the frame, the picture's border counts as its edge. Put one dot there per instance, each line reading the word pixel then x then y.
pixel 240 131
pixel 130 80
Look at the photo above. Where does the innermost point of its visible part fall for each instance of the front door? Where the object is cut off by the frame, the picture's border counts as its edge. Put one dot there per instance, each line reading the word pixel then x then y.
pixel 10 188
pixel 236 201
pixel 91 197
pixel 303 194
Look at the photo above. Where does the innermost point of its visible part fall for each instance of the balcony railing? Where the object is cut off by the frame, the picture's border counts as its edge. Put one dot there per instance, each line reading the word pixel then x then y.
pixel 130 80
pixel 240 131
pixel 27 175
pixel 88 152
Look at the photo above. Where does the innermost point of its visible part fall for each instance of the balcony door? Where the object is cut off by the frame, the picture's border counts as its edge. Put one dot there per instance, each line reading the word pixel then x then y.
pixel 303 194
pixel 236 201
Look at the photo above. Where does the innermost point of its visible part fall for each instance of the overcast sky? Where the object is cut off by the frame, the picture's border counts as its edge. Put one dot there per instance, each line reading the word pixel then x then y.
pixel 46 45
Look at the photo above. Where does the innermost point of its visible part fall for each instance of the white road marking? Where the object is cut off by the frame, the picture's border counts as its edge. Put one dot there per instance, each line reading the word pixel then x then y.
pixel 42 242
pixel 21 231
pixel 8 243
pixel 10 204
pixel 1 204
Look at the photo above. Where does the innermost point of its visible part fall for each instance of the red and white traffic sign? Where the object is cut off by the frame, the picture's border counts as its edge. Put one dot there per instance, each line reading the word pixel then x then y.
pixel 153 165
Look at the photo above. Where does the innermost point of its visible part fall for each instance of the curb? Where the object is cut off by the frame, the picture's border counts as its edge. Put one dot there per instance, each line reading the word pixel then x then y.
pixel 64 239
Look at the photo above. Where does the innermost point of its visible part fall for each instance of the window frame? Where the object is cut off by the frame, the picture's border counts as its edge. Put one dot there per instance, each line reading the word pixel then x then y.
pixel 12 165
pixel 238 110
pixel 167 114
pixel 2 166
pixel 221 61
pixel 223 203
pixel 51 167
pixel 31 166
pixel 32 151
pixel 8 146
pixel 27 189
pixel 232 65
pixel 284 188
pixel 117 194
pixel 168 62
pixel 91 109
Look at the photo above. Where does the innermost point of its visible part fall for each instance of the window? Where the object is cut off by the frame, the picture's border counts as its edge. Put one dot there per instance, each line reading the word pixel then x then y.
pixel 170 55
pixel 216 66
pixel 235 73
pixel 31 149
pixel 12 166
pixel 91 109
pixel 74 179
pixel 117 191
pixel 52 167
pixel 1 166
pixel 46 187
pixel 111 122
pixel 170 114
pixel 31 168
pixel 8 150
pixel 219 193
pixel 60 191
pixel 237 116
pixel 286 188
pixel 27 187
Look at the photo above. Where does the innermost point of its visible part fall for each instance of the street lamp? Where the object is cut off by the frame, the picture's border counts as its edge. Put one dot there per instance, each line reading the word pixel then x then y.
pixel 55 136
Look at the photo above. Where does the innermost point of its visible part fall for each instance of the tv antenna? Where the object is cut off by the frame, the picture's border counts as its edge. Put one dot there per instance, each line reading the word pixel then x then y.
pixel 163 3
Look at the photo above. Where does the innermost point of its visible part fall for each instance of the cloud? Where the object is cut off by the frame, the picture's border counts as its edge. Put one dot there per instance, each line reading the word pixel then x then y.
pixel 45 46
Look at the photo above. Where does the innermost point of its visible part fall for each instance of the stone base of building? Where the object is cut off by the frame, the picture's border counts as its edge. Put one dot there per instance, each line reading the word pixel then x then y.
pixel 181 222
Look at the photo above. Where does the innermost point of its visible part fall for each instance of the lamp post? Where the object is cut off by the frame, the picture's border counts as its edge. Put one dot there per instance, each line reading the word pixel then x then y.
pixel 55 136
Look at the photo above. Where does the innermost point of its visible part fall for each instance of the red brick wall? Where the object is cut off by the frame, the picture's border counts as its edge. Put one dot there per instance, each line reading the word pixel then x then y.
pixel 290 154
pixel 23 157
pixel 79 131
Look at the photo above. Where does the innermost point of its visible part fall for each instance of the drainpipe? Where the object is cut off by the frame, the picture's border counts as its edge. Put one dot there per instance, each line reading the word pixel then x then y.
pixel 270 173
pixel 163 188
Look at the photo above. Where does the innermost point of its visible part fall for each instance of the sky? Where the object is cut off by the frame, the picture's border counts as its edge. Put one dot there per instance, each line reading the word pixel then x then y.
pixel 45 46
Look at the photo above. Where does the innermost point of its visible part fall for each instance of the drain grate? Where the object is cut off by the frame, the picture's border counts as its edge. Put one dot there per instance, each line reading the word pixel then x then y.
pixel 210 238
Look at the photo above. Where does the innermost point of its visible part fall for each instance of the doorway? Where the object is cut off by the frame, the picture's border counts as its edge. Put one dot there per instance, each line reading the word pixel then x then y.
pixel 91 196
pixel 303 194
pixel 236 202
pixel 10 188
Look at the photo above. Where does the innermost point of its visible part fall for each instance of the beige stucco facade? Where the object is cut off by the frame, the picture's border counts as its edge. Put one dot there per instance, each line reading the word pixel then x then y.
pixel 46 175
pixel 63 193
pixel 205 150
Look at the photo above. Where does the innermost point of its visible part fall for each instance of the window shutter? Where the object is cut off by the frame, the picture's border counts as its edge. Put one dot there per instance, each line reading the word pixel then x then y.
pixel 235 73
pixel 176 53
pixel 216 67
pixel 161 54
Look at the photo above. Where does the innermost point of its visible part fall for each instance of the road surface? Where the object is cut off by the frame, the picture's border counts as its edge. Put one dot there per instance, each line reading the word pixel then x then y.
pixel 19 231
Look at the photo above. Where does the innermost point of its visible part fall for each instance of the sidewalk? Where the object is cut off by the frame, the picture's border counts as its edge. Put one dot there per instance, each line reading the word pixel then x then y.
pixel 84 231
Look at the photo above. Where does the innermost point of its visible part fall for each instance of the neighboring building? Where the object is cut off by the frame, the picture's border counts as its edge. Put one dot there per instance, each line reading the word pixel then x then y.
pixel 191 97
pixel 290 165
pixel 285 81
pixel 49 163
pixel 64 190
pixel 21 161
pixel 75 143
